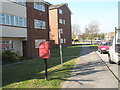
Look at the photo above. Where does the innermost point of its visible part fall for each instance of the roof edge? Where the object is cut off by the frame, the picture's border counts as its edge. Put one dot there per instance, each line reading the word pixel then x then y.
pixel 50 8
pixel 43 2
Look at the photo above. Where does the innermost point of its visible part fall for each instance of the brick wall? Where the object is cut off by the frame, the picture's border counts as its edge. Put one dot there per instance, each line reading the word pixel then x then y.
pixel 55 25
pixel 32 33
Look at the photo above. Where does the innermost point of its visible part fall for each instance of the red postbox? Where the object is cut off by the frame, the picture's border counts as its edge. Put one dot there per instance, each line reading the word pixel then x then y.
pixel 44 51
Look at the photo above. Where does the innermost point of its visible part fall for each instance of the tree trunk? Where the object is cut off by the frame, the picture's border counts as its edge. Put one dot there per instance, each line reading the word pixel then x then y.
pixel 91 40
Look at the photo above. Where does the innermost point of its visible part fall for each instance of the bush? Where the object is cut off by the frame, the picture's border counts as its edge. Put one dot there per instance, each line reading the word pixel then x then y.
pixel 9 56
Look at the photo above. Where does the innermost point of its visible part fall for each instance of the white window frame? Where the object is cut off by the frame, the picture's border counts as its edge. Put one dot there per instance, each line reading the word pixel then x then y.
pixel 25 23
pixel 64 40
pixel 60 11
pixel 61 40
pixel 60 21
pixel 22 2
pixel 63 21
pixel 38 41
pixel 61 30
pixel 16 21
pixel 7 19
pixel 12 21
pixel 20 21
pixel 39 6
pixel 38 24
pixel 10 43
pixel 3 16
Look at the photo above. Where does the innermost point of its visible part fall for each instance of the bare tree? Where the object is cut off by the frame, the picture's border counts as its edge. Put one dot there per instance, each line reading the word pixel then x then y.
pixel 83 36
pixel 75 30
pixel 92 29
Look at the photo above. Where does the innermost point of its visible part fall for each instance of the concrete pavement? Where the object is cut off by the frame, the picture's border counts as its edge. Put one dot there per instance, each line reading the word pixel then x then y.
pixel 114 67
pixel 90 72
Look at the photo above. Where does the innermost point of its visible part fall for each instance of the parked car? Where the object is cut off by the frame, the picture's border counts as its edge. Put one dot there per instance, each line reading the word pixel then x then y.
pixel 97 42
pixel 114 51
pixel 104 47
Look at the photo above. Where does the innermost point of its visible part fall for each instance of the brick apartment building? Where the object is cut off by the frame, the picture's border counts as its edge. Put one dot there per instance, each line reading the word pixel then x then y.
pixel 13 25
pixel 24 25
pixel 60 18
pixel 37 26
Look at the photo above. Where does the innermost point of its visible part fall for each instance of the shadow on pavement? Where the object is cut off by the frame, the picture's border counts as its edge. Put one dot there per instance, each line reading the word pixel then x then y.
pixel 87 68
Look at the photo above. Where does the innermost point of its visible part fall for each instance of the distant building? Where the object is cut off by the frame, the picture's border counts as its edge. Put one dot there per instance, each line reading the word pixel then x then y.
pixel 60 18
pixel 109 36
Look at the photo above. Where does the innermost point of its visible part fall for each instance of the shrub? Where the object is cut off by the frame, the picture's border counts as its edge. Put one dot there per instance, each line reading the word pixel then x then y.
pixel 9 56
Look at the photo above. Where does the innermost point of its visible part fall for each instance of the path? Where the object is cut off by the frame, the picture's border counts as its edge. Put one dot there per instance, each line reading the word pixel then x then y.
pixel 90 72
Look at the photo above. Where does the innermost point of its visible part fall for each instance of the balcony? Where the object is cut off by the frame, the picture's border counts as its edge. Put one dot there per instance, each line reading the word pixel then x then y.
pixel 9 31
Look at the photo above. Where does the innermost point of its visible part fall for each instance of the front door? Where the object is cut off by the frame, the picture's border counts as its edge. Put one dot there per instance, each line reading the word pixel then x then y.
pixel 24 49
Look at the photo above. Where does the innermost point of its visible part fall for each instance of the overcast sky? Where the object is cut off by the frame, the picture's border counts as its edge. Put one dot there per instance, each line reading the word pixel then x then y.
pixel 105 12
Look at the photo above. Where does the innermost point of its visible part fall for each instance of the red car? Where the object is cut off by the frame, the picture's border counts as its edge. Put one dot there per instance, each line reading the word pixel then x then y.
pixel 104 47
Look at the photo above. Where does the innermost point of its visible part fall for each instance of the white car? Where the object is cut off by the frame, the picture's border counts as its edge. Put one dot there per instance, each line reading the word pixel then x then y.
pixel 114 57
pixel 114 50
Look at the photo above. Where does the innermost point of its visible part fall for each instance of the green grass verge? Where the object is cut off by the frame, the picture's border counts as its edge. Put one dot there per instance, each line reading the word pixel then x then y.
pixel 30 74
pixel 95 47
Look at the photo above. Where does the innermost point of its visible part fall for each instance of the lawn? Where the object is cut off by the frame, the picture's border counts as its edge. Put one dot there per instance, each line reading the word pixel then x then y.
pixel 30 74
pixel 94 47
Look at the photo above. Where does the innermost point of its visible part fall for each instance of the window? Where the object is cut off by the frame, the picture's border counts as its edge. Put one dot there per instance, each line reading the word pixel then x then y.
pixel 39 24
pixel 61 31
pixel 63 21
pixel 104 43
pixel 7 45
pixel 2 19
pixel 7 19
pixel 118 40
pixel 16 21
pixel 24 22
pixel 36 24
pixel 61 40
pixel 12 20
pixel 39 6
pixel 20 21
pixel 38 41
pixel 64 40
pixel 60 21
pixel 22 2
pixel 60 11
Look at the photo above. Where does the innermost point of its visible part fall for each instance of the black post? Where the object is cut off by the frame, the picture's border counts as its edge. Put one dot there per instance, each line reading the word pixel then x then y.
pixel 46 75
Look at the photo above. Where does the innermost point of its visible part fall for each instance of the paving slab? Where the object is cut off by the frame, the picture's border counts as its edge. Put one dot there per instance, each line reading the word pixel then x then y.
pixel 90 72
pixel 114 67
